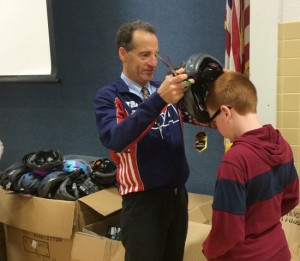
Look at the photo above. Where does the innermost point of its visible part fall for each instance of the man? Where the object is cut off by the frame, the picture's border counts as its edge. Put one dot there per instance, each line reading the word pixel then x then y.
pixel 143 131
pixel 257 182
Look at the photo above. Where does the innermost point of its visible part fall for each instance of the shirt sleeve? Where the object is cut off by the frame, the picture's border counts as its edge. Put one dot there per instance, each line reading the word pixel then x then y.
pixel 290 198
pixel 228 221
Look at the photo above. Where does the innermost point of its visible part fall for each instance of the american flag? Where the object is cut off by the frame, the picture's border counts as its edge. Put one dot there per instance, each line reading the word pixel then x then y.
pixel 237 26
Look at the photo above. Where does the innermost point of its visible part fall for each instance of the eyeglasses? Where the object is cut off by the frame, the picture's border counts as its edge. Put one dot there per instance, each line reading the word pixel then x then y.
pixel 212 122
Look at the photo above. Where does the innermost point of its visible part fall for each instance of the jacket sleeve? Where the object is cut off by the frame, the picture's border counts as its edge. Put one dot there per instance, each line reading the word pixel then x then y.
pixel 118 129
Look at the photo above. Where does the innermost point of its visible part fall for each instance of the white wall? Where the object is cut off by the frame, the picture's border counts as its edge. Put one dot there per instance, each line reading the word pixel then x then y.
pixel 264 19
pixel 263 56
pixel 289 11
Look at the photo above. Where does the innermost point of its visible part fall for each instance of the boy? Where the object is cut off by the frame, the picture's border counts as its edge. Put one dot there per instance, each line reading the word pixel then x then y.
pixel 257 182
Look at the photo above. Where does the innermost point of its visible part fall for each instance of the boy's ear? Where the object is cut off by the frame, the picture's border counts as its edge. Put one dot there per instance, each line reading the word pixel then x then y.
pixel 225 109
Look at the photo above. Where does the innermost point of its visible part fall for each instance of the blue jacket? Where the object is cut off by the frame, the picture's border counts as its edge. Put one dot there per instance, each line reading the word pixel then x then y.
pixel 145 138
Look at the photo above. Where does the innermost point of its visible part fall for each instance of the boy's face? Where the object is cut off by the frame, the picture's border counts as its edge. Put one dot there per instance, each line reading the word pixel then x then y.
pixel 139 64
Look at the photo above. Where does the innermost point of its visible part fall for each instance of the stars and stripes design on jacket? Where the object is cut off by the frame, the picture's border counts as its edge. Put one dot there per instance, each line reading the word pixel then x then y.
pixel 148 146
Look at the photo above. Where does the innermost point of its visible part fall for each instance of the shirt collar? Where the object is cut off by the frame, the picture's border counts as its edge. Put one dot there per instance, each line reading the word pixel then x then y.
pixel 136 88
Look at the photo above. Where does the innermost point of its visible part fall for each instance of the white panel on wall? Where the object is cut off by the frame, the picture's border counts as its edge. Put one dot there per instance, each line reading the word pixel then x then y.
pixel 24 44
pixel 263 56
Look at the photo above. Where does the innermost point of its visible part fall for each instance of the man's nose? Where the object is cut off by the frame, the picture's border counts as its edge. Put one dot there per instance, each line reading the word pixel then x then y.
pixel 153 60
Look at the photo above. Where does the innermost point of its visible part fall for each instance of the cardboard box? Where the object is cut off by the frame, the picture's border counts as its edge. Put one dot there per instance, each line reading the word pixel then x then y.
pixel 24 245
pixel 41 229
pixel 93 245
pixel 202 213
pixel 197 233
pixel 196 200
pixel 291 226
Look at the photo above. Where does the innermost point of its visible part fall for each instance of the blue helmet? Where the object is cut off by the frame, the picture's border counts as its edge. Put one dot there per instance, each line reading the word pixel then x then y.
pixel 74 164
pixel 29 183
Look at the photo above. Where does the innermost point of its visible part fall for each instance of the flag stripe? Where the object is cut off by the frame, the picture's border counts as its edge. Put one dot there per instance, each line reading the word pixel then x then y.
pixel 235 35
pixel 237 25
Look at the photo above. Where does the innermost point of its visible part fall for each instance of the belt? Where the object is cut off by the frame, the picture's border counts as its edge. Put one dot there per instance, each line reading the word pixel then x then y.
pixel 174 190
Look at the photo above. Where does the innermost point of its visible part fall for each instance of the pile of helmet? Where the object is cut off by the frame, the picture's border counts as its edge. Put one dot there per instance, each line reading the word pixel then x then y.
pixel 47 174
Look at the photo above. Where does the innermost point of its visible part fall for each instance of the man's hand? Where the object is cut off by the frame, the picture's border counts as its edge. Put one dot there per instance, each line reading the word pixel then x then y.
pixel 172 88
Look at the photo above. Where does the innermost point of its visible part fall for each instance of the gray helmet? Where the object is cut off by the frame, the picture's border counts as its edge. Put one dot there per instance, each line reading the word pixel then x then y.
pixel 204 69
pixel 50 184
pixel 67 190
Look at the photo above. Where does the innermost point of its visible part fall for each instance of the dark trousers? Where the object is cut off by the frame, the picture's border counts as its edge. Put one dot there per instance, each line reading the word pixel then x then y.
pixel 154 225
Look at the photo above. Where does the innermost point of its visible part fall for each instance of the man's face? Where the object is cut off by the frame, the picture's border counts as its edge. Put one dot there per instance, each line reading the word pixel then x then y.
pixel 140 62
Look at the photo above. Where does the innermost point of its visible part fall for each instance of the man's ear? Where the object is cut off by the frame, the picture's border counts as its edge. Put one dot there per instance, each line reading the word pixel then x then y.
pixel 122 53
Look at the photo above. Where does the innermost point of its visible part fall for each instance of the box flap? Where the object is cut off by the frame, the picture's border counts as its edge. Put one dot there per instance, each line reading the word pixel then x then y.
pixel 202 213
pixel 196 200
pixel 38 215
pixel 88 247
pixel 197 233
pixel 105 202
pixel 100 228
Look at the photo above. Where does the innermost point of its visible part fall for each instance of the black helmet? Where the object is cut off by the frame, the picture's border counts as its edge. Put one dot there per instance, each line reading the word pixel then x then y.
pixel 68 190
pixel 103 172
pixel 44 162
pixel 204 69
pixel 50 184
pixel 11 175
pixel 88 187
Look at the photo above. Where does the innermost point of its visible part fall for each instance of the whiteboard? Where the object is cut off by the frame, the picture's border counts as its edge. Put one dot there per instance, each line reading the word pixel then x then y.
pixel 25 38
